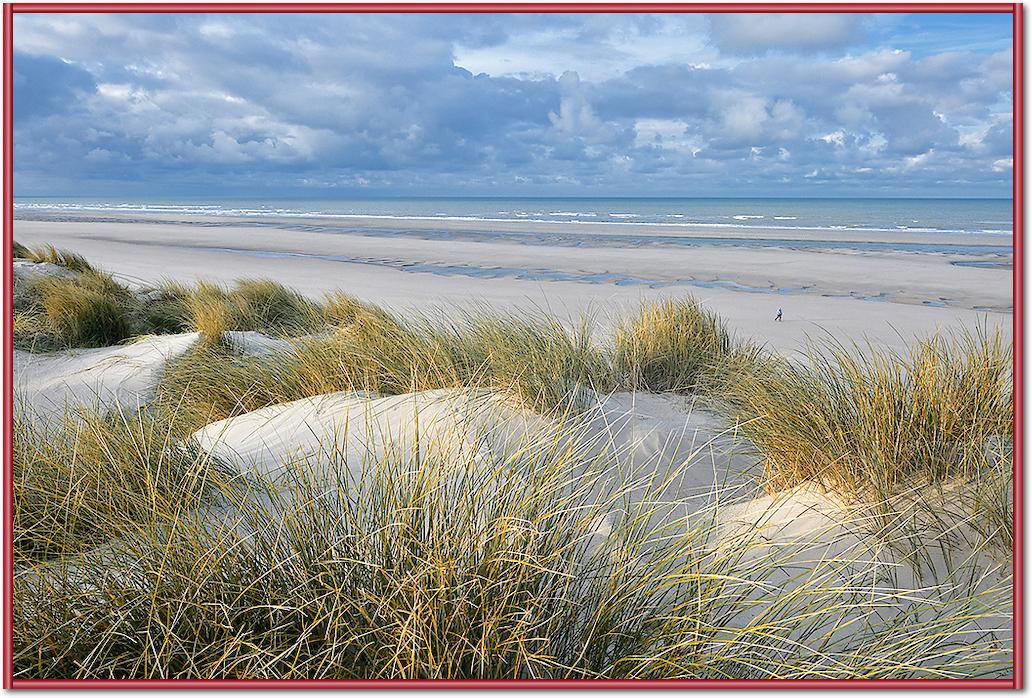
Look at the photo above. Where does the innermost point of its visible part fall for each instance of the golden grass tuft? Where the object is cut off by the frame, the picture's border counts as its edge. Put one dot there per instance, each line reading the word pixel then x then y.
pixel 163 310
pixel 536 361
pixel 90 477
pixel 867 421
pixel 993 499
pixel 87 310
pixel 676 345
pixel 258 305
pixel 341 309
pixel 53 255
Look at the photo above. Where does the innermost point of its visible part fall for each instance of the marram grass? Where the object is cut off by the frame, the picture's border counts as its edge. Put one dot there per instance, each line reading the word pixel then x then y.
pixel 89 477
pixel 86 307
pixel 677 345
pixel 86 310
pixel 52 255
pixel 867 422
pixel 536 360
pixel 853 418
pixel 438 563
pixel 257 305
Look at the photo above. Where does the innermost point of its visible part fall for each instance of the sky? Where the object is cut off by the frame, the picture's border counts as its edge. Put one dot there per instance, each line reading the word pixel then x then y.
pixel 339 105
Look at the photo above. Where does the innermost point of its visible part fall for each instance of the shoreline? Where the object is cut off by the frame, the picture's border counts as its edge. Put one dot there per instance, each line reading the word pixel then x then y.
pixel 645 230
pixel 885 296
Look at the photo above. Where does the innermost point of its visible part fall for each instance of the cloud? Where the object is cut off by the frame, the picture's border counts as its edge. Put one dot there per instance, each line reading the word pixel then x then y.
pixel 47 85
pixel 508 104
pixel 576 118
pixel 752 33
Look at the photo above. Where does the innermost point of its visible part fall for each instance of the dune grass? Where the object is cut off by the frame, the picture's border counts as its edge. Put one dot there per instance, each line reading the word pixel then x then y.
pixel 866 421
pixel 677 345
pixel 53 255
pixel 993 495
pixel 89 309
pixel 852 418
pixel 539 362
pixel 82 307
pixel 441 565
pixel 437 564
pixel 258 305
pixel 93 476
pixel 139 558
pixel 536 359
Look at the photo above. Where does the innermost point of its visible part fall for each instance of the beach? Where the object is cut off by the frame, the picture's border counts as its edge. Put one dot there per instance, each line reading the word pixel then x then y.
pixel 854 286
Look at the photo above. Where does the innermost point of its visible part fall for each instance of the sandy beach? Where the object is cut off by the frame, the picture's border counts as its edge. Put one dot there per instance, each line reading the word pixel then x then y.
pixel 853 285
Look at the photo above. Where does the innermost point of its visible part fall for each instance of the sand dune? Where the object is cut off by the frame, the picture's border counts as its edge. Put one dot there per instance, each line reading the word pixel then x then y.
pixel 123 376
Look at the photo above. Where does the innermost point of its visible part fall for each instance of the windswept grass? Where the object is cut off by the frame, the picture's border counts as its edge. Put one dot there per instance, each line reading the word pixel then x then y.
pixel 993 495
pixel 89 309
pixel 439 564
pixel 857 420
pixel 867 421
pixel 212 382
pixel 677 345
pixel 539 362
pixel 342 309
pixel 79 483
pixel 53 255
pixel 85 307
pixel 258 305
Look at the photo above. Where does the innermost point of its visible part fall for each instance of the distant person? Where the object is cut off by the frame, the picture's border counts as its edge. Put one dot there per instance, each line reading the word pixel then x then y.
pixel 778 318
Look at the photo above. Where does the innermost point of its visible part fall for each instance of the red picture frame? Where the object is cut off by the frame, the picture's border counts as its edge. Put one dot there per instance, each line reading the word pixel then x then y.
pixel 1014 9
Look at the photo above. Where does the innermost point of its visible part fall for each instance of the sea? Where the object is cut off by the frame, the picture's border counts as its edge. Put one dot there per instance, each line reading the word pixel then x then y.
pixel 931 216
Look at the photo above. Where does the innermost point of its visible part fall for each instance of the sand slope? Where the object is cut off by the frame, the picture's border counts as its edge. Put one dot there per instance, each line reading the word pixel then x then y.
pixel 46 385
pixel 354 430
pixel 635 434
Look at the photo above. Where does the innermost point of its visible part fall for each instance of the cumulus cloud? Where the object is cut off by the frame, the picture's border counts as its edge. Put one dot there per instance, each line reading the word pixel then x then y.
pixel 752 33
pixel 508 104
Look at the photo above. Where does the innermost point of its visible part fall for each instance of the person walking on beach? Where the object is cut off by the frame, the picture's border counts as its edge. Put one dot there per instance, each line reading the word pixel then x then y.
pixel 777 318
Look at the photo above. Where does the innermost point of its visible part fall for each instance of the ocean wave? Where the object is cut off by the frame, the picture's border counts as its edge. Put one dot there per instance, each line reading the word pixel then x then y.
pixel 516 216
pixel 198 209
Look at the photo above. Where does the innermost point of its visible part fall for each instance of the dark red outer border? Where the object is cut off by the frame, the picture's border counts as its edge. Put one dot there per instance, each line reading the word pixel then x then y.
pixel 1016 9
